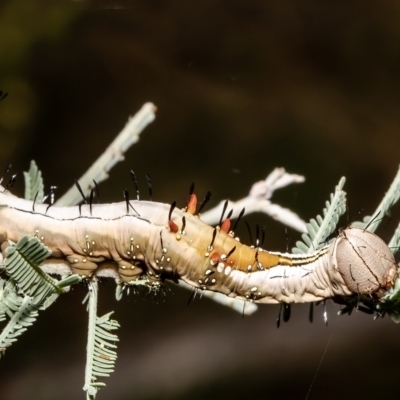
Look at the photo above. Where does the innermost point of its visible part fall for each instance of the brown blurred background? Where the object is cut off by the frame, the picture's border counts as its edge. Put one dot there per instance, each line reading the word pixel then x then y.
pixel 312 86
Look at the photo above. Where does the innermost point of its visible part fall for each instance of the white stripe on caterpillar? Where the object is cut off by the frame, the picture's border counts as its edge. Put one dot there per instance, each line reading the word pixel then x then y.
pixel 113 240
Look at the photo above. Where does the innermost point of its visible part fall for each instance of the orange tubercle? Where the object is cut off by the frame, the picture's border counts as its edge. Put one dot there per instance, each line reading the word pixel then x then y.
pixel 173 227
pixel 226 225
pixel 192 204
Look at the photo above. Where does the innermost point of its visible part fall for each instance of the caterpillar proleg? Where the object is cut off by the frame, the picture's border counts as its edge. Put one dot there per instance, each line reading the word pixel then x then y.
pixel 153 240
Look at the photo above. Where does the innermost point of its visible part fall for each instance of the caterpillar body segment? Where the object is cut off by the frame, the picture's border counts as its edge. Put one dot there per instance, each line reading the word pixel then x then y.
pixel 156 240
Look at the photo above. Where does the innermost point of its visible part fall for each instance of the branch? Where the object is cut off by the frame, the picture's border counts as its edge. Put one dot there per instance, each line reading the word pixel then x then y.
pixel 258 201
pixel 243 307
pixel 113 154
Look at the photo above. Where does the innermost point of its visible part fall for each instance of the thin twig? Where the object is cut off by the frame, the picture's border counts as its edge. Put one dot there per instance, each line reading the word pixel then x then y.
pixel 242 307
pixel 258 201
pixel 113 154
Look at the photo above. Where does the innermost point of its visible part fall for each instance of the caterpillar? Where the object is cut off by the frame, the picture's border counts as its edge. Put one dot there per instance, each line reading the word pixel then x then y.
pixel 135 239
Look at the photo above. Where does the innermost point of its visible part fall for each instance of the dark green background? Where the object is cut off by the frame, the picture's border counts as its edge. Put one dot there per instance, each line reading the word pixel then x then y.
pixel 309 85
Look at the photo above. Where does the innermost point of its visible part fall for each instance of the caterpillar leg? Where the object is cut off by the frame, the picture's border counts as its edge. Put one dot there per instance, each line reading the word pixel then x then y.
pixel 128 271
pixel 81 265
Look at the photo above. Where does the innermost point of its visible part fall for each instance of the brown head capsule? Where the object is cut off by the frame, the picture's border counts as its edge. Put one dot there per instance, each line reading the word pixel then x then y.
pixel 365 261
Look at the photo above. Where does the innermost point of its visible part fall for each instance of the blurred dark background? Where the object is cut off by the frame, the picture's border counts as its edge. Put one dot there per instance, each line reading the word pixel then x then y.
pixel 312 86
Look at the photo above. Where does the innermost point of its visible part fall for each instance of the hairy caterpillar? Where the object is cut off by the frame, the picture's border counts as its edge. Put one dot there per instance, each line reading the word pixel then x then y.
pixel 132 239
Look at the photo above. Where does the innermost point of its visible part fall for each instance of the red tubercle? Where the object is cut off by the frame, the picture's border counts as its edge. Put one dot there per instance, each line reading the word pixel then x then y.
pixel 226 225
pixel 173 227
pixel 192 204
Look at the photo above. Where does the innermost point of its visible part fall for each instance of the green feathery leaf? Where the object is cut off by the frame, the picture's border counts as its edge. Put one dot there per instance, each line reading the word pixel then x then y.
pixel 319 229
pixel 21 311
pixel 3 308
pixel 390 198
pixel 394 242
pixel 34 186
pixel 22 264
pixel 100 353
pixel 28 290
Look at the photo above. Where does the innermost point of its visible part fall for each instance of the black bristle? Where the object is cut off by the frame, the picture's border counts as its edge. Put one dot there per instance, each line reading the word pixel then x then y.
pixel 11 182
pixel 205 201
pixel 161 241
pixel 51 196
pixel 91 201
pixel 249 230
pixel 278 319
pixel 171 209
pixel 133 176
pixel 311 313
pixel 213 238
pixel 126 197
pixel 78 186
pixel 97 191
pixel 231 251
pixel 34 201
pixel 53 190
pixel 262 236
pixel 257 235
pixel 128 203
pixel 150 186
pixel 6 171
pixel 223 212
pixel 325 313
pixel 183 225
pixel 239 218
pixel 287 311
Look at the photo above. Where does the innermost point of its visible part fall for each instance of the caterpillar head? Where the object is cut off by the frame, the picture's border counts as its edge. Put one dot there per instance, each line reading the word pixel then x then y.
pixel 365 261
